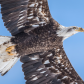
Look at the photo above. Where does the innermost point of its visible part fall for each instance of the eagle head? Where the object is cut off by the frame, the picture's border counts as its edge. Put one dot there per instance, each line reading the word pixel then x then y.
pixel 66 32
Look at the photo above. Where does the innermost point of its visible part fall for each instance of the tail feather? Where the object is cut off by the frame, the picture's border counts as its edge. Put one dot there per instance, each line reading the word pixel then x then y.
pixel 9 65
pixel 6 61
pixel 2 65
pixel 4 39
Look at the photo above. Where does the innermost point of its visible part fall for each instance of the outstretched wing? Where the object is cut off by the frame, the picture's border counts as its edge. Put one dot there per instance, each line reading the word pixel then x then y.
pixel 52 67
pixel 35 71
pixel 19 15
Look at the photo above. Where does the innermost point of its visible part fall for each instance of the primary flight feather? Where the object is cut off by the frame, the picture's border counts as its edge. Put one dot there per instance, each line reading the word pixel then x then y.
pixel 37 39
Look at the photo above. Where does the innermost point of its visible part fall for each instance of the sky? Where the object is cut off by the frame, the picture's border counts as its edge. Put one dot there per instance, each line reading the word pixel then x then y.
pixel 67 13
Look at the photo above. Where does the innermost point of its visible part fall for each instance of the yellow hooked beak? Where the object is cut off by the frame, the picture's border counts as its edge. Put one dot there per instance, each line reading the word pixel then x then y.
pixel 80 29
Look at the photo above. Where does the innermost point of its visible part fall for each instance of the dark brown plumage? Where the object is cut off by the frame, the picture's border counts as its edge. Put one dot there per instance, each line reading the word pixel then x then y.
pixel 36 39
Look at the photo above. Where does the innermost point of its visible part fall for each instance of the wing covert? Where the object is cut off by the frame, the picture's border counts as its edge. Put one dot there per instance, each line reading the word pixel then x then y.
pixel 19 15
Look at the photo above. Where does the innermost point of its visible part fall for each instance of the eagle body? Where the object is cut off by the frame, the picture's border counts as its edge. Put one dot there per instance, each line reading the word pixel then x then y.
pixel 45 44
pixel 37 39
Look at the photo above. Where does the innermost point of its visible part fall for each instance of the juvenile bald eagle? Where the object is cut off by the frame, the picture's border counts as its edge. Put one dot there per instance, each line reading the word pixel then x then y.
pixel 37 39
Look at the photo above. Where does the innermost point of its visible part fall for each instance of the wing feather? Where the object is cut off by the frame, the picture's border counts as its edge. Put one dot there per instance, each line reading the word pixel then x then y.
pixel 35 72
pixel 19 15
pixel 52 67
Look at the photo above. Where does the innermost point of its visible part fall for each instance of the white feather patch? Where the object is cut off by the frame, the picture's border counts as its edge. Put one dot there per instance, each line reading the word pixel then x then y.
pixel 46 62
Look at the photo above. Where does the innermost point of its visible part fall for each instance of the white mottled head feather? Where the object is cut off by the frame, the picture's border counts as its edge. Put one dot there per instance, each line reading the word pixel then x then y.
pixel 66 32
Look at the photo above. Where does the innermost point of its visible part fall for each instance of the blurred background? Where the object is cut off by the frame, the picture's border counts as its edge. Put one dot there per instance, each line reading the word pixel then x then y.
pixel 67 13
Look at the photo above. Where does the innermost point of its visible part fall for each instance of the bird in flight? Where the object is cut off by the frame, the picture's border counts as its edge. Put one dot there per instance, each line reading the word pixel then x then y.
pixel 37 39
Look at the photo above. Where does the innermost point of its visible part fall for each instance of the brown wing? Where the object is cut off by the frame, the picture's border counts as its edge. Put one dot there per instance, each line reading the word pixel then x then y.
pixel 52 67
pixel 19 15
pixel 35 71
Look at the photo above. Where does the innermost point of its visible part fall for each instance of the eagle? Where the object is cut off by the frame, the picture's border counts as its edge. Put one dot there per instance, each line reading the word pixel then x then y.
pixel 37 40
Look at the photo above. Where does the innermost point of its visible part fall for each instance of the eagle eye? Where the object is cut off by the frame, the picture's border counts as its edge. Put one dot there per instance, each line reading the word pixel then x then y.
pixel 74 27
